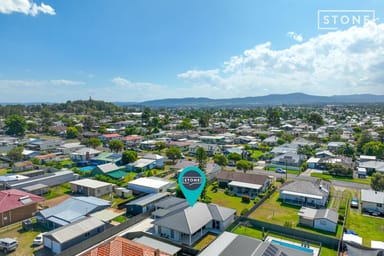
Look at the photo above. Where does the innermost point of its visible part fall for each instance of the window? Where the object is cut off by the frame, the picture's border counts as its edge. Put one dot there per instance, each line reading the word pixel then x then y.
pixel 379 205
pixel 172 234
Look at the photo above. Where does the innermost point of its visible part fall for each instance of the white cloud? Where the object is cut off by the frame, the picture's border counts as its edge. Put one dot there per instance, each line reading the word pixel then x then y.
pixel 27 7
pixel 341 62
pixel 65 82
pixel 297 37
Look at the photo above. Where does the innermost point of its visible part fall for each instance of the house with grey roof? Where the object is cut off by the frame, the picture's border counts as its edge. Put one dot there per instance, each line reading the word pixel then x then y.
pixel 306 193
pixel 211 149
pixel 189 224
pixel 69 211
pixel 143 204
pixel 67 236
pixel 372 201
pixel 91 187
pixel 229 244
pixel 322 219
pixel 291 160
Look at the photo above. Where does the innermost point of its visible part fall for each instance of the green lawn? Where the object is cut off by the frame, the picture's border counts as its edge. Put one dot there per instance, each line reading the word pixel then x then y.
pixel 296 172
pixel 258 234
pixel 58 191
pixel 204 242
pixel 330 177
pixel 121 218
pixel 256 154
pixel 370 228
pixel 222 199
pixel 279 213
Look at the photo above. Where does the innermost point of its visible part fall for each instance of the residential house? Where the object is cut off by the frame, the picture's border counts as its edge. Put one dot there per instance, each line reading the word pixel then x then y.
pixel 105 169
pixel 69 211
pixel 232 244
pixel 313 163
pixel 84 155
pixel 70 235
pixel 69 148
pixel 215 139
pixel 324 154
pixel 147 162
pixel 105 138
pixel 143 204
pixel 150 185
pixel 211 149
pixel 23 166
pixel 191 223
pixel 37 189
pixel 29 154
pixel 132 141
pixel 271 141
pixel 288 160
pixel 105 158
pixel 321 219
pixel 91 187
pixel 44 145
pixel 148 144
pixel 16 205
pixel 372 201
pixel 43 159
pixel 284 149
pixel 335 145
pixel 306 193
pixel 182 145
pixel 365 158
pixel 243 183
pixel 120 246
pixel 372 166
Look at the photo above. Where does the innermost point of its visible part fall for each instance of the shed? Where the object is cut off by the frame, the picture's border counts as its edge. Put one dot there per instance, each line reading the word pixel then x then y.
pixel 144 204
pixel 37 189
pixel 123 192
pixel 150 185
pixel 91 187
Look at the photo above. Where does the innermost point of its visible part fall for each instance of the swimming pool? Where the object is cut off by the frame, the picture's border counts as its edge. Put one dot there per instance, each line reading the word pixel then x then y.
pixel 87 168
pixel 293 246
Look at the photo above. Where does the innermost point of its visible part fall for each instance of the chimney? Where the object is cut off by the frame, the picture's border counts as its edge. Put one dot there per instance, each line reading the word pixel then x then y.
pixel 157 252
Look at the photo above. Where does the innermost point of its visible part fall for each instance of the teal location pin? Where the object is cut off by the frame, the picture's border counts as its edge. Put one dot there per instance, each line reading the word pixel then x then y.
pixel 192 181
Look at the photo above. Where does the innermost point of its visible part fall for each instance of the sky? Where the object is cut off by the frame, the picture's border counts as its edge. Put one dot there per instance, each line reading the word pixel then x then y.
pixel 138 50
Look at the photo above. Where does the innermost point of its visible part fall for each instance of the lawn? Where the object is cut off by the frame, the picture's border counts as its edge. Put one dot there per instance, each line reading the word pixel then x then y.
pixel 296 172
pixel 121 219
pixel 279 213
pixel 222 199
pixel 5 171
pixel 258 234
pixel 370 228
pixel 205 241
pixel 256 154
pixel 58 191
pixel 330 177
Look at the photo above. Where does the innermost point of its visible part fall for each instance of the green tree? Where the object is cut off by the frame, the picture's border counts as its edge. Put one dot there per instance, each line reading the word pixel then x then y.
pixel 244 165
pixel 185 124
pixel 173 153
pixel 273 117
pixel 204 120
pixel 234 157
pixel 306 150
pixel 15 154
pixel 374 148
pixel 15 125
pixel 340 170
pixel 102 129
pixel 115 145
pixel 72 132
pixel 377 181
pixel 94 142
pixel 220 159
pixel 315 119
pixel 364 138
pixel 159 145
pixel 32 126
pixel 129 156
pixel 201 157
pixel 346 150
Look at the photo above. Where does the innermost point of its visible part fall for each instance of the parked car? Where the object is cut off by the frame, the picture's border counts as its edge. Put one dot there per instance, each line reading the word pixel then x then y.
pixel 38 240
pixel 355 202
pixel 280 170
pixel 8 244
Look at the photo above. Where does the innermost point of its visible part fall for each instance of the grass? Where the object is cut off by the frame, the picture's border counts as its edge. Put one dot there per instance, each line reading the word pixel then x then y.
pixel 205 241
pixel 222 199
pixel 258 234
pixel 368 227
pixel 5 171
pixel 121 219
pixel 58 191
pixel 279 213
pixel 296 172
pixel 116 200
pixel 256 154
pixel 330 177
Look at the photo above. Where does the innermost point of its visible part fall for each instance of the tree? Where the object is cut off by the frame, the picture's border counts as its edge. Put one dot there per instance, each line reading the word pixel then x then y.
pixel 244 165
pixel 273 117
pixel 72 132
pixel 115 145
pixel 204 121
pixel 201 157
pixel 94 142
pixel 15 154
pixel 173 153
pixel 102 129
pixel 315 119
pixel 159 145
pixel 129 156
pixel 306 150
pixel 220 159
pixel 374 148
pixel 234 157
pixel 346 150
pixel 340 170
pixel 364 138
pixel 377 181
pixel 15 125
pixel 32 126
pixel 185 124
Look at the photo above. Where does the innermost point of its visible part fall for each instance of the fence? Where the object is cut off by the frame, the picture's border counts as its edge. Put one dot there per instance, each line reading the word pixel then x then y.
pixel 107 234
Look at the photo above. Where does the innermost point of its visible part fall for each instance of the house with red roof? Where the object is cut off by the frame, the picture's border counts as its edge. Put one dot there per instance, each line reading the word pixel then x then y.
pixel 17 205
pixel 132 140
pixel 110 136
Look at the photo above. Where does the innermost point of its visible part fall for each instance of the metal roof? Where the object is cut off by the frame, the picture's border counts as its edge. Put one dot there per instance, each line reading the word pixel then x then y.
pixel 150 182
pixel 244 185
pixel 301 194
pixel 148 199
pixel 90 183
pixel 372 196
pixel 156 244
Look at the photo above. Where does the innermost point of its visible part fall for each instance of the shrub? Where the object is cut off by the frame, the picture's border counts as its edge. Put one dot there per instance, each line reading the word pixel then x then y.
pixel 288 224
pixel 244 211
pixel 245 199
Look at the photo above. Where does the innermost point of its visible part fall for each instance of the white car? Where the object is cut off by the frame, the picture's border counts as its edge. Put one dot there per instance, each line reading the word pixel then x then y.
pixel 38 239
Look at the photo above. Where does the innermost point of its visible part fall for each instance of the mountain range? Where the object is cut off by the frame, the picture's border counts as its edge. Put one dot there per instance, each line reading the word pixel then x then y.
pixel 267 100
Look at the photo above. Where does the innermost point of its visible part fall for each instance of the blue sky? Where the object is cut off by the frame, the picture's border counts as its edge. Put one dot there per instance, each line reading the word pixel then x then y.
pixel 135 50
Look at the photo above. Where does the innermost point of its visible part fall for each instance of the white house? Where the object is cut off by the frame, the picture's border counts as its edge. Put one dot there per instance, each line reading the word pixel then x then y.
pixel 372 201
pixel 150 185
pixel 322 219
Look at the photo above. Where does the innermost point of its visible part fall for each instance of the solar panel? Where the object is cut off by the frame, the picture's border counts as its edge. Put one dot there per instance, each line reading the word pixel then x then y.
pixel 114 156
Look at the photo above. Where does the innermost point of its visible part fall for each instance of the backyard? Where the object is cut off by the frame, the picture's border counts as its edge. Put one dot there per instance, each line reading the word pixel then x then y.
pixel 205 241
pixel 330 177
pixel 279 213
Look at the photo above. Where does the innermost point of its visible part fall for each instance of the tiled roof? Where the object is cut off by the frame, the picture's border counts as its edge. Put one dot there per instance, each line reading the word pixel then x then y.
pixel 123 247
pixel 13 198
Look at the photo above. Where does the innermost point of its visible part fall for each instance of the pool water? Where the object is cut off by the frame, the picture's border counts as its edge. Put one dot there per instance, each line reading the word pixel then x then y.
pixel 87 168
pixel 293 246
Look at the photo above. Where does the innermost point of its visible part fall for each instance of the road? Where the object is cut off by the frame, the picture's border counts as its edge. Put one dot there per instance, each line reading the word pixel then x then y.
pixel 338 183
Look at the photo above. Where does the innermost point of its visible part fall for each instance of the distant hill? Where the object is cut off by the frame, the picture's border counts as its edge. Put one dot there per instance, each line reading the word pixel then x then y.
pixel 268 100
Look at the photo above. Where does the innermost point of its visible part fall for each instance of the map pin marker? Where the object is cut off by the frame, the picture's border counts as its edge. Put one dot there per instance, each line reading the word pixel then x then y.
pixel 192 181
